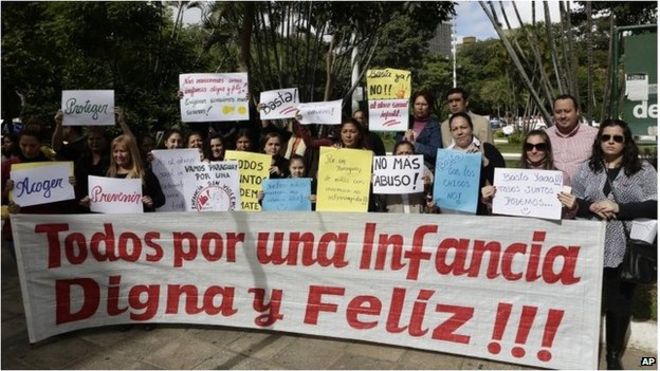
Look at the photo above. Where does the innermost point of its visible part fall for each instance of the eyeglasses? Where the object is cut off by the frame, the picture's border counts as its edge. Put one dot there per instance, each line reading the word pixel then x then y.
pixel 616 138
pixel 539 147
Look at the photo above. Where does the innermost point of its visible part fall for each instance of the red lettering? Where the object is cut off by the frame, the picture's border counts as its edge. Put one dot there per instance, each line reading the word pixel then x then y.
pixel 70 250
pixel 367 245
pixel 150 305
pixel 54 249
pixel 415 254
pixel 363 305
pixel 275 256
pixel 314 304
pixel 179 254
pixel 418 313
pixel 384 241
pixel 396 309
pixel 108 239
pixel 507 260
pixel 493 248
pixel 90 298
pixel 567 273
pixel 458 263
pixel 226 307
pixel 337 260
pixel 113 296
pixel 215 239
pixel 273 307
pixel 123 248
pixel 149 238
pixel 445 331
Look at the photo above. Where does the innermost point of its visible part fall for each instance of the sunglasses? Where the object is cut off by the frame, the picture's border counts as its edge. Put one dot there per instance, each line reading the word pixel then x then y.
pixel 539 146
pixel 616 138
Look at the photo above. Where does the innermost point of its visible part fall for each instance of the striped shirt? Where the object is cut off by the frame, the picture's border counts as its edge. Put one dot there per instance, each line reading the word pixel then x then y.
pixel 570 150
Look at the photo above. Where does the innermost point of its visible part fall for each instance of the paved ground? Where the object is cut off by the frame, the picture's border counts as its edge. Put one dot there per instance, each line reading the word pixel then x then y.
pixel 209 347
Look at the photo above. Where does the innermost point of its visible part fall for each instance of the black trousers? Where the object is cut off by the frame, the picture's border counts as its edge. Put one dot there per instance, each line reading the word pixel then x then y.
pixel 617 294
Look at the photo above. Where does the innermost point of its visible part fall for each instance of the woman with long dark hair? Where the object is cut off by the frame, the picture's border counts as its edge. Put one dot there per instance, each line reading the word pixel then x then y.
pixel 617 187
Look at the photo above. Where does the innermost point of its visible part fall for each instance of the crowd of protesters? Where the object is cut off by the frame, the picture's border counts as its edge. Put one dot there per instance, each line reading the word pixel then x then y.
pixel 597 163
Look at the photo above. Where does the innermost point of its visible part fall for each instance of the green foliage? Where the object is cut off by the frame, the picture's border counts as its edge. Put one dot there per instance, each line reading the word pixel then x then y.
pixel 627 12
pixel 125 46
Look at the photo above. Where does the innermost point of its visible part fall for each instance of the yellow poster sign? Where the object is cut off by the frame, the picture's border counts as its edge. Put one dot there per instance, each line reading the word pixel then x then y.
pixel 388 84
pixel 343 180
pixel 253 169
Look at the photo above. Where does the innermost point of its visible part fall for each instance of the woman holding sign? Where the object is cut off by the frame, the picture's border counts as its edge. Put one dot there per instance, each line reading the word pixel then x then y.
pixel 537 154
pixel 271 144
pixel 616 186
pixel 464 140
pixel 423 130
pixel 414 202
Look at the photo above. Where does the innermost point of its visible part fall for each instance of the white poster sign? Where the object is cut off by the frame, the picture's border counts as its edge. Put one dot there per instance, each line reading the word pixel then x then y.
pixel 278 104
pixel 328 113
pixel 168 166
pixel 41 183
pixel 115 196
pixel 398 174
pixel 214 97
pixel 88 107
pixel 388 115
pixel 513 290
pixel 212 186
pixel 528 192
pixel 637 87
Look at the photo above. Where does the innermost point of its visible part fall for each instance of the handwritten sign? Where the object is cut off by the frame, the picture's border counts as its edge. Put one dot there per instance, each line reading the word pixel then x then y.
pixel 388 115
pixel 214 97
pixel 278 104
pixel 168 166
pixel 320 112
pixel 456 185
pixel 398 174
pixel 212 186
pixel 528 192
pixel 388 84
pixel 253 169
pixel 115 196
pixel 344 179
pixel 287 194
pixel 88 107
pixel 39 183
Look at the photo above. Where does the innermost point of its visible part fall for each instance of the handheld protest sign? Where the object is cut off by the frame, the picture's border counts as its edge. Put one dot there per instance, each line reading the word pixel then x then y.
pixel 214 97
pixel 212 186
pixel 278 104
pixel 38 183
pixel 115 196
pixel 88 107
pixel 456 185
pixel 528 192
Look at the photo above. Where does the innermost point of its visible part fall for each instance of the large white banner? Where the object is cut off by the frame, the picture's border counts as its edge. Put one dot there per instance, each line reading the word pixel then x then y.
pixel 528 192
pixel 169 167
pixel 398 174
pixel 88 107
pixel 328 113
pixel 38 183
pixel 214 97
pixel 115 196
pixel 212 186
pixel 509 289
pixel 278 104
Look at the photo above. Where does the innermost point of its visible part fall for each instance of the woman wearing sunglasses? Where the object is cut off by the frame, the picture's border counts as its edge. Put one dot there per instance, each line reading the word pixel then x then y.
pixel 616 186
pixel 537 154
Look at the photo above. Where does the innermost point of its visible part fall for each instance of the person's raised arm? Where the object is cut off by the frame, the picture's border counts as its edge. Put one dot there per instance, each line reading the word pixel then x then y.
pixel 56 141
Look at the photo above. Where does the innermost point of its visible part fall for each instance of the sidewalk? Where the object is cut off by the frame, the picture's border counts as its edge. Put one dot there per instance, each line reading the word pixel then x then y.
pixel 213 347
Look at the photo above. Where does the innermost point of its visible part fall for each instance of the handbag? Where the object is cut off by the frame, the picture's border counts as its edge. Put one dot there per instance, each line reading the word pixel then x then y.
pixel 640 261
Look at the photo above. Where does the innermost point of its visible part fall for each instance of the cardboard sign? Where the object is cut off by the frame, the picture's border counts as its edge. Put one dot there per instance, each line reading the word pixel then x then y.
pixel 287 194
pixel 388 115
pixel 115 196
pixel 344 179
pixel 398 174
pixel 528 192
pixel 447 283
pixel 169 167
pixel 212 186
pixel 328 113
pixel 214 97
pixel 456 185
pixel 39 183
pixel 278 104
pixel 88 107
pixel 253 169
pixel 388 84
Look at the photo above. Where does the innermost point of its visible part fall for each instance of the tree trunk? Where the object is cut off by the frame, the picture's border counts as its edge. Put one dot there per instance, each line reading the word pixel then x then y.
pixel 516 61
pixel 590 64
pixel 551 43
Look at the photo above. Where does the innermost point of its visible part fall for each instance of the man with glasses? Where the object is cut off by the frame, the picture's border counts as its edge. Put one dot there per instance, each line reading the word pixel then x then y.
pixel 571 141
